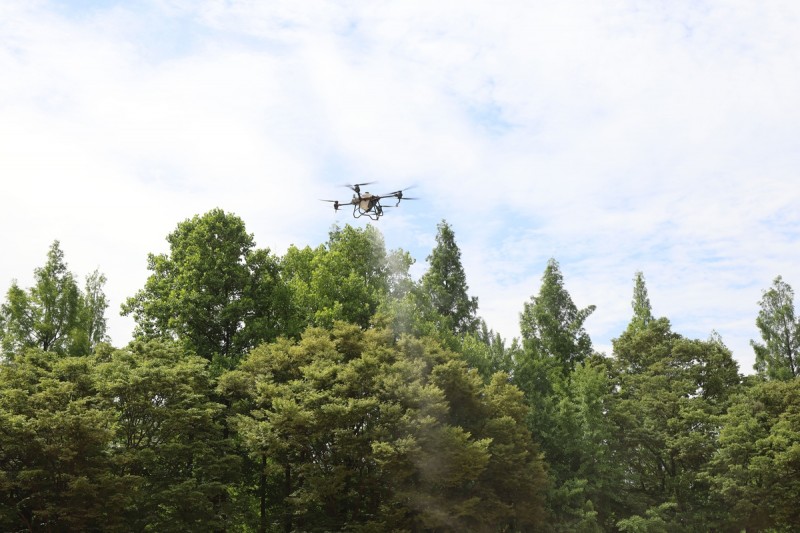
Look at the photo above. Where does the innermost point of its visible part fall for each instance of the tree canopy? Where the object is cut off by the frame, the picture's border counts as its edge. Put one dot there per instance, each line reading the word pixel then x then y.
pixel 54 314
pixel 777 356
pixel 328 390
pixel 214 292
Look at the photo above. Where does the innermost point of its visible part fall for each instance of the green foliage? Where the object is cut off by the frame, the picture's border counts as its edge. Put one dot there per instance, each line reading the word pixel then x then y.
pixel 126 440
pixel 168 441
pixel 777 357
pixel 358 432
pixel 54 315
pixel 486 352
pixel 552 325
pixel 347 279
pixel 214 292
pixel 642 312
pixel 671 397
pixel 53 442
pixel 445 283
pixel 397 410
pixel 755 473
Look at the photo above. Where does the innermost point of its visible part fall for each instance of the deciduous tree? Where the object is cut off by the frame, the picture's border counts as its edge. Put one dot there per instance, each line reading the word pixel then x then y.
pixel 777 357
pixel 669 400
pixel 214 291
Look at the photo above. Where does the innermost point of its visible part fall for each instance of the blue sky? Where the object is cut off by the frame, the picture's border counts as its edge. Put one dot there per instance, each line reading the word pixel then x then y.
pixel 613 136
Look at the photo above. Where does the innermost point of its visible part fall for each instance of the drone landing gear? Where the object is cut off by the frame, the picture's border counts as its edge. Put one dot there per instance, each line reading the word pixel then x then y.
pixel 372 214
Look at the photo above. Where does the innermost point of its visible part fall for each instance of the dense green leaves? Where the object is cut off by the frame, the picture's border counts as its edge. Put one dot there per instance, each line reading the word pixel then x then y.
pixel 359 432
pixel 445 283
pixel 327 390
pixel 779 355
pixel 214 291
pixel 671 395
pixel 54 315
pixel 347 279
pixel 755 472
pixel 552 325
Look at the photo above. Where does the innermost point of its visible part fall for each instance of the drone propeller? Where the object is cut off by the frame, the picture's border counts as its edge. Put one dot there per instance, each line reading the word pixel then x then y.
pixel 399 195
pixel 356 187
pixel 336 204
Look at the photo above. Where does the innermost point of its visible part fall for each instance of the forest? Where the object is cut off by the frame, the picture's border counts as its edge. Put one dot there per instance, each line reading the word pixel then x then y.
pixel 328 390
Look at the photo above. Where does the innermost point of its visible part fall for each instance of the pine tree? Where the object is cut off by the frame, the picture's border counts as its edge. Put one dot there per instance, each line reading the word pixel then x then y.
pixel 446 283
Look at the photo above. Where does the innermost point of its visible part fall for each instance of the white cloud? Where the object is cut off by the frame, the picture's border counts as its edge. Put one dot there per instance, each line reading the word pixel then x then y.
pixel 615 137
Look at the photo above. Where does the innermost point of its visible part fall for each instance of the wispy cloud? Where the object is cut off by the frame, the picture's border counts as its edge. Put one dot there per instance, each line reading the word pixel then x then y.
pixel 614 136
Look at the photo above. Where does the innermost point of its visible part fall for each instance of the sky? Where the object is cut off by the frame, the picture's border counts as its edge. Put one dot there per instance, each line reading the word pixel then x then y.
pixel 615 137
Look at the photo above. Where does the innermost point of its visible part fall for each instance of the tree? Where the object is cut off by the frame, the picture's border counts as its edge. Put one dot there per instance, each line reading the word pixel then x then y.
pixel 642 312
pixel 54 467
pixel 91 315
pixel 168 443
pixel 214 291
pixel 446 283
pixel 122 440
pixel 670 396
pixel 485 350
pixel 54 315
pixel 347 279
pixel 755 473
pixel 586 471
pixel 552 325
pixel 777 357
pixel 354 430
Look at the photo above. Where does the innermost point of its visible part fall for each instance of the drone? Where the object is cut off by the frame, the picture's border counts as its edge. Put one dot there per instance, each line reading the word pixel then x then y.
pixel 366 204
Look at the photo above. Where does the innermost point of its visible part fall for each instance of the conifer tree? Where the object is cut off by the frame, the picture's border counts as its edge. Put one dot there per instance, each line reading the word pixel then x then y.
pixel 668 399
pixel 552 325
pixel 446 283
pixel 54 315
pixel 642 312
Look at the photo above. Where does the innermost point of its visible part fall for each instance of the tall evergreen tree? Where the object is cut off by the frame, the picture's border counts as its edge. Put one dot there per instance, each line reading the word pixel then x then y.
pixel 778 357
pixel 668 400
pixel 554 345
pixel 446 283
pixel 54 315
pixel 642 312
pixel 552 325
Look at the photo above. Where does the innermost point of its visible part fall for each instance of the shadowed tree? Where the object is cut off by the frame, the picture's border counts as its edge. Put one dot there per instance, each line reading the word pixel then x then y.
pixel 755 473
pixel 670 395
